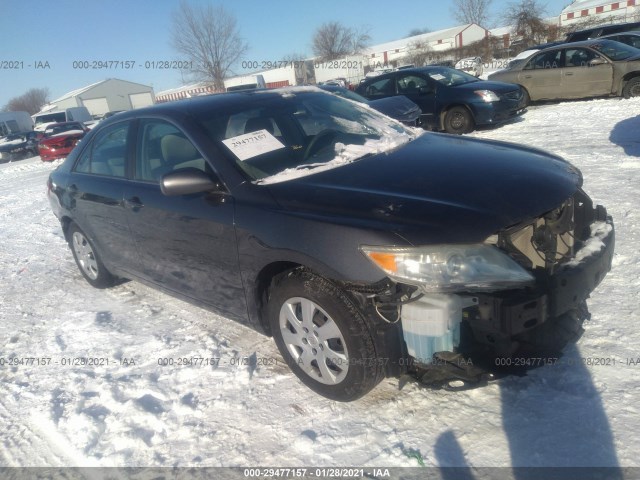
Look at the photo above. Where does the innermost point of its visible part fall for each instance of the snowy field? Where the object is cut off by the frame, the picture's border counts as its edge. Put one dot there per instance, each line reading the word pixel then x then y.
pixel 131 411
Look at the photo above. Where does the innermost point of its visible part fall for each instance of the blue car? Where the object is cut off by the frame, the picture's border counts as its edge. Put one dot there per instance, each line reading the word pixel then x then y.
pixel 450 99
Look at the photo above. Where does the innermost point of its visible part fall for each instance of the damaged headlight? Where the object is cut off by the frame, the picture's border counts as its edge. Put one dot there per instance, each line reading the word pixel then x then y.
pixel 449 268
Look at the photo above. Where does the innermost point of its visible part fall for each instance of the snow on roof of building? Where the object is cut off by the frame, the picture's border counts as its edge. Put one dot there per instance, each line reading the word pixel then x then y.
pixel 425 37
pixel 79 91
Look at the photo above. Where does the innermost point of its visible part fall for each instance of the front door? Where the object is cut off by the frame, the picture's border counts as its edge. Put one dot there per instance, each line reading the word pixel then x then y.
pixel 186 243
pixel 584 76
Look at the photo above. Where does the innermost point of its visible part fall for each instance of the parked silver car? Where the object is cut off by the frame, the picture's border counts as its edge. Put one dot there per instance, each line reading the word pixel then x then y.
pixel 578 70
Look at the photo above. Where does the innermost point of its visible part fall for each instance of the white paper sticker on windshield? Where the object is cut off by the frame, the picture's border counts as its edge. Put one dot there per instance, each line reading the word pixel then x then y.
pixel 437 76
pixel 252 144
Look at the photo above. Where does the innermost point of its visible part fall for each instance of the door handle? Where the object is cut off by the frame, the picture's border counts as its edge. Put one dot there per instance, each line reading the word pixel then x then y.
pixel 569 74
pixel 527 76
pixel 134 203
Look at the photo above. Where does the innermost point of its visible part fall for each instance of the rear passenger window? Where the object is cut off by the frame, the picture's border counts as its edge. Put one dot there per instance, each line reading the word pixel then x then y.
pixel 107 153
pixel 163 148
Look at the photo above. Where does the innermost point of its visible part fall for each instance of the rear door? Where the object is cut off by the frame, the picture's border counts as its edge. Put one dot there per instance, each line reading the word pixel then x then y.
pixel 542 75
pixel 97 188
pixel 185 243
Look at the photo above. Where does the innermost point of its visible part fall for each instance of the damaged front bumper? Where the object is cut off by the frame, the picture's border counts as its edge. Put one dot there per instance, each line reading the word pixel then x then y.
pixel 468 338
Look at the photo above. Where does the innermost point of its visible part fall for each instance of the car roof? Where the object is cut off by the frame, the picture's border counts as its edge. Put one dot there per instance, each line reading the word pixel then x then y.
pixel 58 124
pixel 583 43
pixel 428 68
pixel 633 33
pixel 199 104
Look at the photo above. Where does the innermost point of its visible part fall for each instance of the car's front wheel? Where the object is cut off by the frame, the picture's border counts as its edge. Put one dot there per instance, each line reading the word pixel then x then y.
pixel 87 259
pixel 323 336
pixel 458 120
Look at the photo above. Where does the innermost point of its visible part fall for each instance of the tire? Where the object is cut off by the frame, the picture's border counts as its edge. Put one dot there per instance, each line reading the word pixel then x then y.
pixel 458 120
pixel 527 98
pixel 632 88
pixel 323 336
pixel 87 259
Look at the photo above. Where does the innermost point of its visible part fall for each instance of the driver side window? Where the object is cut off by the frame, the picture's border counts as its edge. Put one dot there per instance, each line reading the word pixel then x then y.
pixel 411 84
pixel 163 148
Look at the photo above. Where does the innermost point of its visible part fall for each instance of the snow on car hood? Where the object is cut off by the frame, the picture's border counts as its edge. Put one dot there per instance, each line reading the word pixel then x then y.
pixel 438 188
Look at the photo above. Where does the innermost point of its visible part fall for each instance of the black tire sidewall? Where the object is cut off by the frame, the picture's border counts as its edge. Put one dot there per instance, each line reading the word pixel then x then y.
pixel 468 124
pixel 364 371
pixel 630 84
pixel 104 278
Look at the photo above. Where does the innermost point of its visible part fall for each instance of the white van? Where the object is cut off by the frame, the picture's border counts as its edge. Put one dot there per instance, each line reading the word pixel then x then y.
pixel 15 122
pixel 73 114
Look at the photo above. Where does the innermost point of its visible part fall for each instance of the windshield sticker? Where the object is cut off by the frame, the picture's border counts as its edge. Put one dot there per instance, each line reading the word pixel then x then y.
pixel 437 76
pixel 252 144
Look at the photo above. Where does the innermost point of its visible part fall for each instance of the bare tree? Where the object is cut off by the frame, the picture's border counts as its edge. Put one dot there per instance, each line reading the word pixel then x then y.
pixel 209 37
pixel 471 11
pixel 526 18
pixel 418 31
pixel 333 40
pixel 418 53
pixel 31 101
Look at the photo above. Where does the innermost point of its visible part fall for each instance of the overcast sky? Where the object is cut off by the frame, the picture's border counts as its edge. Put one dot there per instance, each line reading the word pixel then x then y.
pixel 44 39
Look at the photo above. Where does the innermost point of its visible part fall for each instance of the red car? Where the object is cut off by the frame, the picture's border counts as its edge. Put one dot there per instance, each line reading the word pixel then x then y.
pixel 59 139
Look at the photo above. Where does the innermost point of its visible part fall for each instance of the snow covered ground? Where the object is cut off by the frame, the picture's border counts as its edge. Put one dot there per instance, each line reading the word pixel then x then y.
pixel 129 410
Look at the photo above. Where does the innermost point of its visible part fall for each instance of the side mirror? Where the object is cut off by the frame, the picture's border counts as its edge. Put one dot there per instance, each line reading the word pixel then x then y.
pixel 187 181
pixel 597 61
pixel 424 90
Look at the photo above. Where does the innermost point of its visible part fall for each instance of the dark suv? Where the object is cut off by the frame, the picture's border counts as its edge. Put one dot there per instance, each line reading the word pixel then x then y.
pixel 601 30
pixel 365 248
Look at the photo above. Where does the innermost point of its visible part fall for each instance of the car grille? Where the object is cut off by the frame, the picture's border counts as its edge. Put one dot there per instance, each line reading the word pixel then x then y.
pixel 516 95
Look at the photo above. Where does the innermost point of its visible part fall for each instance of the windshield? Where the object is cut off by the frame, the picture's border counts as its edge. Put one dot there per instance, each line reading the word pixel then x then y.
pixel 50 117
pixel 296 132
pixel 450 77
pixel 615 50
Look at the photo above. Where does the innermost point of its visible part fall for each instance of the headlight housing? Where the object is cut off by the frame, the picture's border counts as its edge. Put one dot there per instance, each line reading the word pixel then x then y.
pixel 450 268
pixel 487 96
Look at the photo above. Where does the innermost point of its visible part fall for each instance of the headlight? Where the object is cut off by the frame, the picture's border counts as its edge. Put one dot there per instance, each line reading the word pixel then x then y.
pixel 449 268
pixel 487 96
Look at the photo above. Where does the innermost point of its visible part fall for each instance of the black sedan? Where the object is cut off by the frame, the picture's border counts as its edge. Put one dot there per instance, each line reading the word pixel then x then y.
pixel 365 248
pixel 18 146
pixel 399 108
pixel 450 100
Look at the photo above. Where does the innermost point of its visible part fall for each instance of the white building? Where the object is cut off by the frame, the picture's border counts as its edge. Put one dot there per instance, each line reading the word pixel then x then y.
pixel 456 37
pixel 603 10
pixel 105 96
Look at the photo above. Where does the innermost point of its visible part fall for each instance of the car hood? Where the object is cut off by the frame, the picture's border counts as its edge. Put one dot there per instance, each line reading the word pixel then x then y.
pixel 398 107
pixel 498 87
pixel 435 189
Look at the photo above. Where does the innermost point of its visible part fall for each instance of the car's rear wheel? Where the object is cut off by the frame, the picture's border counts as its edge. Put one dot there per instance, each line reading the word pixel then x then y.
pixel 458 120
pixel 87 259
pixel 323 336
pixel 632 88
